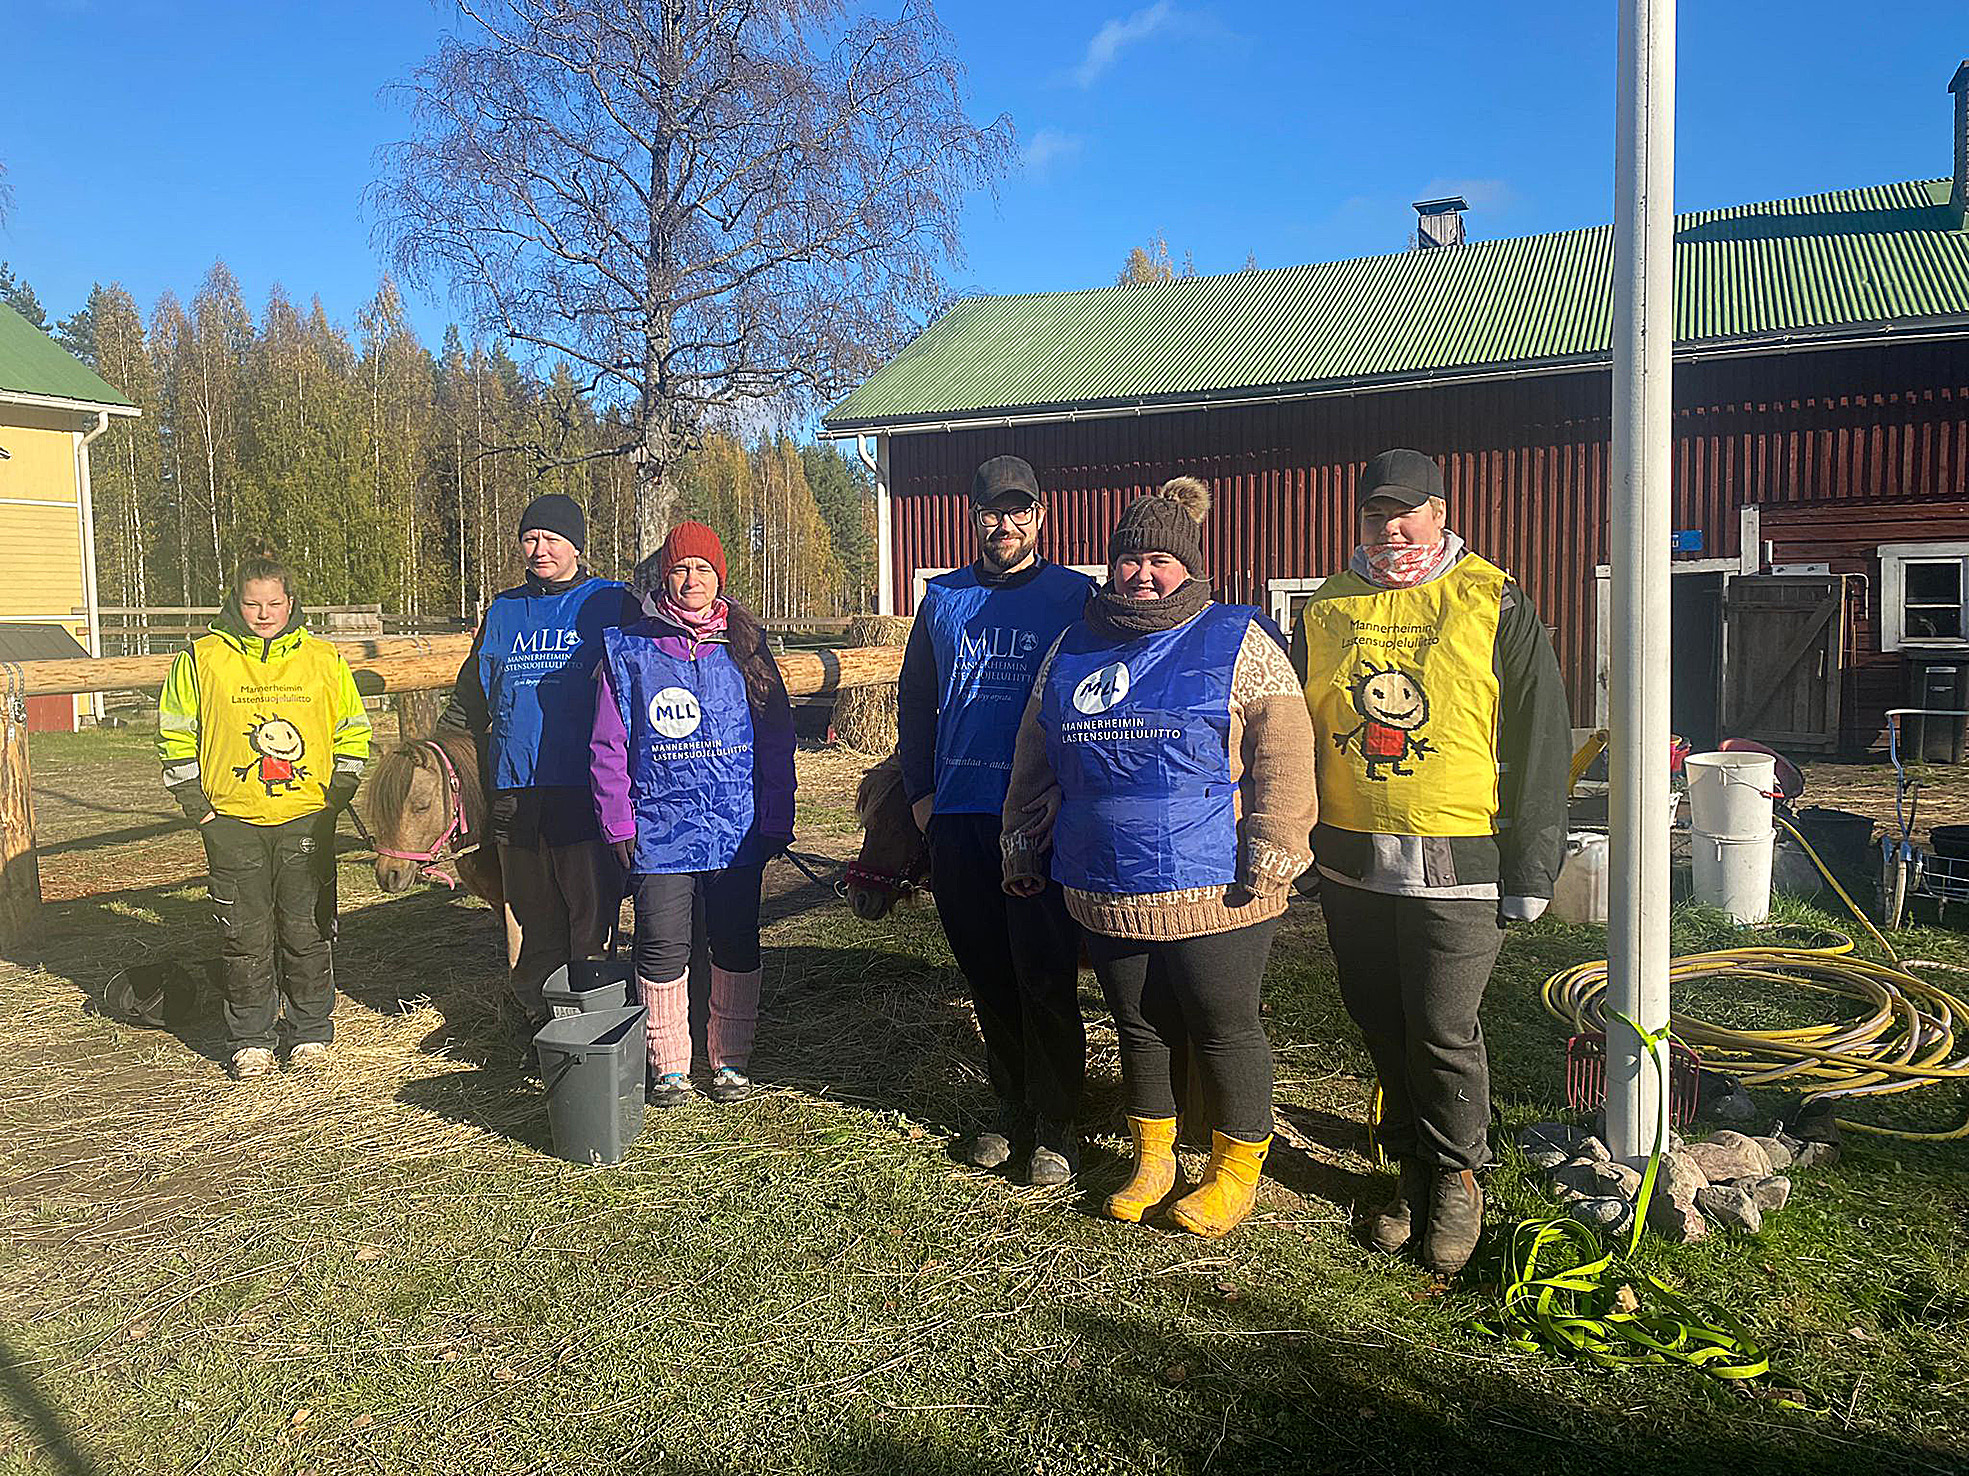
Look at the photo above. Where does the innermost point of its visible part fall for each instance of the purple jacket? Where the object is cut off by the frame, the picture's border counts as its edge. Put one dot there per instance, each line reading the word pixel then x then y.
pixel 772 739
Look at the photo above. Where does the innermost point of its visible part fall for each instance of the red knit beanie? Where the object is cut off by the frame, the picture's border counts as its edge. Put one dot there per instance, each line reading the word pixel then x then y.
pixel 691 541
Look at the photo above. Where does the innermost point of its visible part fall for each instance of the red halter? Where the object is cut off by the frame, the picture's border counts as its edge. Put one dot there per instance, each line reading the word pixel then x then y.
pixel 441 851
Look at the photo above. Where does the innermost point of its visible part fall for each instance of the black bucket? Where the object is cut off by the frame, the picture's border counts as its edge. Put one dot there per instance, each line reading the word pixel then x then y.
pixel 1844 842
pixel 587 985
pixel 592 1064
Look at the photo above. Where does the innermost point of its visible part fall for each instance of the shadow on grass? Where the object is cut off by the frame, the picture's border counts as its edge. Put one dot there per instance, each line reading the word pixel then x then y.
pixel 24 1403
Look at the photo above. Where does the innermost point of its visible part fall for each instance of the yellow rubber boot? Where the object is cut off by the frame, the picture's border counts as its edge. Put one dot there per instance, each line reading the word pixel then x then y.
pixel 1228 1191
pixel 1155 1169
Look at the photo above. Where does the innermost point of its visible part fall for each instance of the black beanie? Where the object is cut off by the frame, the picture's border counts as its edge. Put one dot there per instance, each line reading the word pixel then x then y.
pixel 1169 520
pixel 555 512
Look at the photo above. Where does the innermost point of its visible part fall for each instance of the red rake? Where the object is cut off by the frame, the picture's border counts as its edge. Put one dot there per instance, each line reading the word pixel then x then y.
pixel 1586 1077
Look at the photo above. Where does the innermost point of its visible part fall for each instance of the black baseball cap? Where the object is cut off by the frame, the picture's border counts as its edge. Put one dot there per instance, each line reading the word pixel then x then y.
pixel 1003 477
pixel 1401 475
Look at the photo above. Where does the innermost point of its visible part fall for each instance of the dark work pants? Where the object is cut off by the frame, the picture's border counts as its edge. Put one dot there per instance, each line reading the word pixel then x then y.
pixel 1203 991
pixel 565 900
pixel 663 921
pixel 1021 957
pixel 273 897
pixel 1412 973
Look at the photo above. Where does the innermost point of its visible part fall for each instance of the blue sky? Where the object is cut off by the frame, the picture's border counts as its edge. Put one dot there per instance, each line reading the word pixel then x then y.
pixel 144 138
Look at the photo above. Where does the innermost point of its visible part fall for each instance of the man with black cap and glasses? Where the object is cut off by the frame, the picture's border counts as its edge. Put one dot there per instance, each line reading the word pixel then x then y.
pixel 1443 744
pixel 979 636
pixel 526 694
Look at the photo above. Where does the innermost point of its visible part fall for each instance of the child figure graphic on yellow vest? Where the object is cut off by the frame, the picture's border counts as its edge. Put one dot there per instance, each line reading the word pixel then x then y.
pixel 279 746
pixel 242 708
pixel 1393 707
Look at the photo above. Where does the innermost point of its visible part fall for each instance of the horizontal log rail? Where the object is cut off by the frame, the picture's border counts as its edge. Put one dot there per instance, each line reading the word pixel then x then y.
pixel 430 663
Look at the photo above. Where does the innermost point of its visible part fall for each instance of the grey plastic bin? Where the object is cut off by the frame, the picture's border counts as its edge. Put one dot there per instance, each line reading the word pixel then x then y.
pixel 587 985
pixel 592 1065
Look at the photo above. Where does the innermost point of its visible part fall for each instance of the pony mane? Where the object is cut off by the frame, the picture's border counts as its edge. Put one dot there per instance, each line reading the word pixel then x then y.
pixel 389 783
pixel 876 785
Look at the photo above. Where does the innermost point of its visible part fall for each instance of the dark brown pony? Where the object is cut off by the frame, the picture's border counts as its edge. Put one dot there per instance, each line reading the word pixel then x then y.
pixel 412 809
pixel 894 860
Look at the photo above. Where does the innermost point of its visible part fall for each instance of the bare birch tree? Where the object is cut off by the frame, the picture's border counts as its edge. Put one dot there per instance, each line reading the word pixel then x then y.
pixel 694 203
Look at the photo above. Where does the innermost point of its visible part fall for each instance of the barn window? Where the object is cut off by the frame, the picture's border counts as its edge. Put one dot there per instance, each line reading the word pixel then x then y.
pixel 1924 591
pixel 1288 597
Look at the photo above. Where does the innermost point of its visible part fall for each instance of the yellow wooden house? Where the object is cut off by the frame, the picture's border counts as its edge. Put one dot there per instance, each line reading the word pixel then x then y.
pixel 52 406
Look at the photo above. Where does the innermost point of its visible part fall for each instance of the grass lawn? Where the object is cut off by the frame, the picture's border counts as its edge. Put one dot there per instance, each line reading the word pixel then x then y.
pixel 380 1270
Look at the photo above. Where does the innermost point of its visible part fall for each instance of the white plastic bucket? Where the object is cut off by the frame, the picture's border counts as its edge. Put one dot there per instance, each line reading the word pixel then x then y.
pixel 1730 795
pixel 1580 894
pixel 1734 873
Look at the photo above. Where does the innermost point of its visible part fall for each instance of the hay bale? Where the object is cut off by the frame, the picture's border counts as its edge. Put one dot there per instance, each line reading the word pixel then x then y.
pixel 865 717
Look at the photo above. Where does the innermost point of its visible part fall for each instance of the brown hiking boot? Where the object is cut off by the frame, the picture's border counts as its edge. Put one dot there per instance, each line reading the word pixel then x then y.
pixel 1390 1227
pixel 1456 1219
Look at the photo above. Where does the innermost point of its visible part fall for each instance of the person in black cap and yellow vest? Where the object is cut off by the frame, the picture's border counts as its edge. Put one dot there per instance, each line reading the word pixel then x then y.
pixel 526 694
pixel 979 634
pixel 1443 743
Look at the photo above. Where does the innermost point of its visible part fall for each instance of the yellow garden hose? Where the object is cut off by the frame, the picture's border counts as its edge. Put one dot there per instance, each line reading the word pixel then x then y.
pixel 1905 1037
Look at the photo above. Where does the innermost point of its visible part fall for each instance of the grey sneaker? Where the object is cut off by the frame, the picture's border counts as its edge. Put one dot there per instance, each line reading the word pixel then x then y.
pixel 1055 1155
pixel 729 1084
pixel 309 1055
pixel 672 1089
pixel 251 1062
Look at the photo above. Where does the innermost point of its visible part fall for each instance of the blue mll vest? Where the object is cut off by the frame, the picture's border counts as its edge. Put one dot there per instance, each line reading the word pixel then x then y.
pixel 537 666
pixel 989 640
pixel 1139 734
pixel 690 753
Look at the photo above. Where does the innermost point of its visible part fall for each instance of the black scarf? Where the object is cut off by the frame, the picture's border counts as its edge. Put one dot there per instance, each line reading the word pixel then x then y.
pixel 1112 613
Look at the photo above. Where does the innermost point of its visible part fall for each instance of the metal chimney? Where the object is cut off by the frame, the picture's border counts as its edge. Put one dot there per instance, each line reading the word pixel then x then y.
pixel 1439 223
pixel 1958 200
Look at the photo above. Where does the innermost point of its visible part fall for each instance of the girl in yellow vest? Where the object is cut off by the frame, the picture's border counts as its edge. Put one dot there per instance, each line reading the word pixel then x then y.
pixel 1443 740
pixel 263 739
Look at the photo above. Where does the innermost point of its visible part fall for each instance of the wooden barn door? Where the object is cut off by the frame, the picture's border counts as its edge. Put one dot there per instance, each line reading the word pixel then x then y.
pixel 1784 649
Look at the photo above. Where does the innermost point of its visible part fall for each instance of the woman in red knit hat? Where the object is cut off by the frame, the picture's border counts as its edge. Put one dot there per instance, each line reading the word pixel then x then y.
pixel 692 769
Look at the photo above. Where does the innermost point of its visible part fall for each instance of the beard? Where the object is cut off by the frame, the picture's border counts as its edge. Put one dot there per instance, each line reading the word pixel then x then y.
pixel 1001 552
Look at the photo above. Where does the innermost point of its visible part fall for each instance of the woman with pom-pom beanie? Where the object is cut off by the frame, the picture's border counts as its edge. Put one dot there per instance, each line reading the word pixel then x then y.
pixel 1164 777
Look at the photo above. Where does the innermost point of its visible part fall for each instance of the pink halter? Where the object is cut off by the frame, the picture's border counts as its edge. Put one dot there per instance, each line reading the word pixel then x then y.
pixel 440 853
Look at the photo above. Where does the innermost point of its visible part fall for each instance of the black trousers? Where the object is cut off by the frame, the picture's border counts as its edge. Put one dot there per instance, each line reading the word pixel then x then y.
pixel 1021 957
pixel 1203 993
pixel 663 921
pixel 273 897
pixel 565 899
pixel 1412 973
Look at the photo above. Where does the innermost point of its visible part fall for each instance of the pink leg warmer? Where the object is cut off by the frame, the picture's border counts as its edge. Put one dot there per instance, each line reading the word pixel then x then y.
pixel 734 1017
pixel 669 1023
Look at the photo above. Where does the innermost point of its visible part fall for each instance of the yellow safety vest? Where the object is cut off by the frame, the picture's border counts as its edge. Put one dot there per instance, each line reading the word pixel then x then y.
pixel 1403 691
pixel 267 729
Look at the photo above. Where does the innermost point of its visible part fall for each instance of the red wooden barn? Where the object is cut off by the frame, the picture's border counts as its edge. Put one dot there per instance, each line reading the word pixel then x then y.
pixel 1821 432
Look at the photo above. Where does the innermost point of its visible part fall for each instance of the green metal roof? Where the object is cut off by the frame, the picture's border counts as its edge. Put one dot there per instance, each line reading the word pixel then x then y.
pixel 1809 268
pixel 32 363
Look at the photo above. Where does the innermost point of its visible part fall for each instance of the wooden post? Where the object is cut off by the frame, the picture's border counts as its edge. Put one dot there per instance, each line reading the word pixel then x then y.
pixel 20 868
pixel 417 714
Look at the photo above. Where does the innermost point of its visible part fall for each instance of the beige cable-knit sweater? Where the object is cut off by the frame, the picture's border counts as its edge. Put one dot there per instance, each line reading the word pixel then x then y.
pixel 1271 762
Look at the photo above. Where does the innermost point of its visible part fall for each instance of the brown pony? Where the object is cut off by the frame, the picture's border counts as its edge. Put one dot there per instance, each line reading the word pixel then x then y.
pixel 894 860
pixel 413 810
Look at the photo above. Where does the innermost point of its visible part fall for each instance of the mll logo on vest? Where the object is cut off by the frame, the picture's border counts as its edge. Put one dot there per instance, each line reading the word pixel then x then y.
pixel 1100 690
pixel 546 642
pixel 674 712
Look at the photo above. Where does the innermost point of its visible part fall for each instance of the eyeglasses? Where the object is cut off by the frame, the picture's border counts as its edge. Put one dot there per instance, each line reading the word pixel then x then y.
pixel 993 517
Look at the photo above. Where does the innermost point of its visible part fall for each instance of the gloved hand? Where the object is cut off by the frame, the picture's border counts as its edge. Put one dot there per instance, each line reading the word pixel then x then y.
pixel 623 852
pixel 920 811
pixel 1521 909
pixel 775 845
pixel 341 792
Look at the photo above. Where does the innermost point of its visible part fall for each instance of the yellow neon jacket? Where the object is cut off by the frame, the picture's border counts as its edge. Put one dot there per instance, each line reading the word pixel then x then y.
pixel 261 730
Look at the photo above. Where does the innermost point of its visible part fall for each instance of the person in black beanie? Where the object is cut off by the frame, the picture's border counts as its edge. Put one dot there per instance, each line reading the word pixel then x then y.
pixel 526 695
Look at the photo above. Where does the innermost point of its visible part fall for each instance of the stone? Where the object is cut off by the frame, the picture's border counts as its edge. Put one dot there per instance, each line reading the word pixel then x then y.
pixel 1546 1145
pixel 1770 1195
pixel 1595 1180
pixel 1676 1222
pixel 1615 1216
pixel 1673 1199
pixel 1730 1207
pixel 1727 1155
pixel 1815 1155
pixel 1776 1151
pixel 1593 1148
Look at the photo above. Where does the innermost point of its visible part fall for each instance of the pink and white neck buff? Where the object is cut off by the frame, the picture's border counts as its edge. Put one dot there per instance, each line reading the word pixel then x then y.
pixel 1405 565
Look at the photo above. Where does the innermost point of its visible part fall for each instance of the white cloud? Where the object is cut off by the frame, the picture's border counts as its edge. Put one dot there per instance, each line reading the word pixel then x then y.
pixel 1117 34
pixel 1050 146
